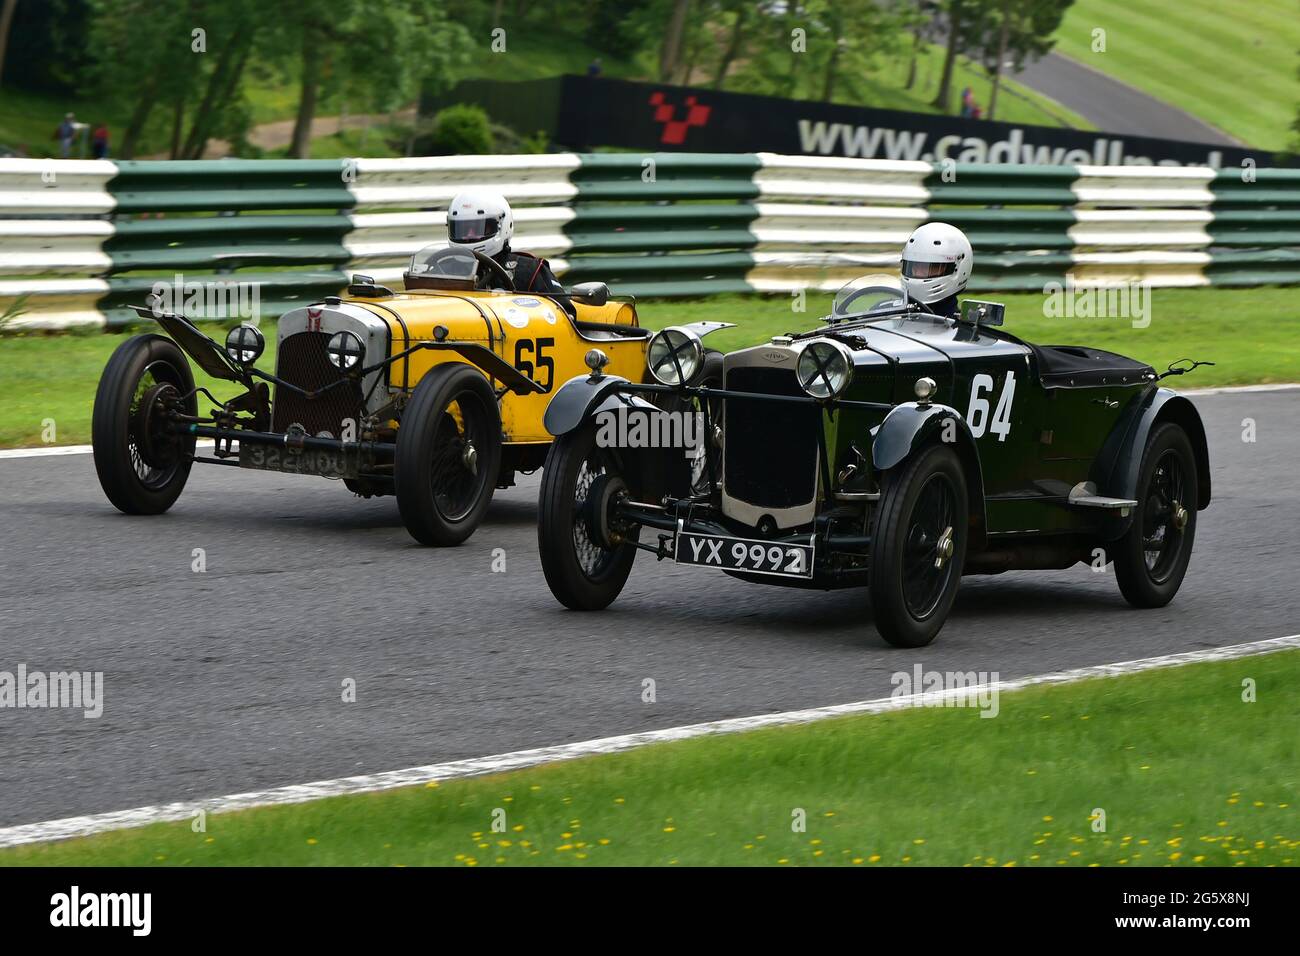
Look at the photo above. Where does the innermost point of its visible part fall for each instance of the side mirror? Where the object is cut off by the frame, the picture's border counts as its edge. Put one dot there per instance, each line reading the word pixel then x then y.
pixel 977 312
pixel 590 293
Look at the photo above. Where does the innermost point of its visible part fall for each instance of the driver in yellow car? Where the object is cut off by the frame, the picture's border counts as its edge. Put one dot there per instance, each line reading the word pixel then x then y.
pixel 483 222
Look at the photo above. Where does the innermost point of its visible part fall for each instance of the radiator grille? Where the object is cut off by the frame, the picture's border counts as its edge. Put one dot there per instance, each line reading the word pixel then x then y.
pixel 302 361
pixel 770 452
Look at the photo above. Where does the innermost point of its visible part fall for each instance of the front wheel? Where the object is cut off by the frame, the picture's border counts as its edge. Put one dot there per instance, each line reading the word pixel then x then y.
pixel 919 547
pixel 142 461
pixel 1151 558
pixel 448 454
pixel 585 556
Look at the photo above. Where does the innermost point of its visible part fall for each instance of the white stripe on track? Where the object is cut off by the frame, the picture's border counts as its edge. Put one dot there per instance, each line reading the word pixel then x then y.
pixel 42 451
pixel 414 776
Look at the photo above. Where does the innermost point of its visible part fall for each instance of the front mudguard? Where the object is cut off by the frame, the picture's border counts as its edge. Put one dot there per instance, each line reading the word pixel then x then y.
pixel 581 399
pixel 1118 466
pixel 911 426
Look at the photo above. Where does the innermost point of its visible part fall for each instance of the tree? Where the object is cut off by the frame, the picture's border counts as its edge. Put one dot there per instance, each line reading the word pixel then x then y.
pixel 670 50
pixel 373 52
pixel 1018 30
pixel 736 39
pixel 963 19
pixel 6 21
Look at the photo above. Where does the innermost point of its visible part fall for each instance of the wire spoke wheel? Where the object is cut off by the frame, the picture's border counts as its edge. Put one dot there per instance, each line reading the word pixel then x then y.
pixel 1151 558
pixel 143 452
pixel 154 450
pixel 1164 516
pixel 585 566
pixel 918 546
pixel 448 454
pixel 926 568
pixel 593 558
pixel 455 476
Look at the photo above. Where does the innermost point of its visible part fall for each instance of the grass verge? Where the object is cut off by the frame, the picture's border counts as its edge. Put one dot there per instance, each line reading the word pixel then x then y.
pixel 1185 772
pixel 1231 64
pixel 1253 335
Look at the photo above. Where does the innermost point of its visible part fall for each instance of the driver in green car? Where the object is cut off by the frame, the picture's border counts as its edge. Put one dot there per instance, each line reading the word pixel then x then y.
pixel 482 221
pixel 937 263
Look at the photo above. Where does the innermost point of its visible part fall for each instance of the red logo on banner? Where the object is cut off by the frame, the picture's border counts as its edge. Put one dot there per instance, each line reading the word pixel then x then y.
pixel 675 129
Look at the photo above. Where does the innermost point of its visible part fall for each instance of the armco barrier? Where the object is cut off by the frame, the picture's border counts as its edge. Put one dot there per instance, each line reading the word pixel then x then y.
pixel 79 241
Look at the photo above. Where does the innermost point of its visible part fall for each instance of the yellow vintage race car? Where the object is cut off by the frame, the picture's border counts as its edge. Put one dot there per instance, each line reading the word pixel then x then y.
pixel 435 394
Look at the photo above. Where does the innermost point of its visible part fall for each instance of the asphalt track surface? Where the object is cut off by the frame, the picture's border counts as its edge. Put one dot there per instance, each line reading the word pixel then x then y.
pixel 230 680
pixel 1115 107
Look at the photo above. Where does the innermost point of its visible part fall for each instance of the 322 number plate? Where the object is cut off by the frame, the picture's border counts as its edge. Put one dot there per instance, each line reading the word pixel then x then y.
pixel 328 464
pixel 743 554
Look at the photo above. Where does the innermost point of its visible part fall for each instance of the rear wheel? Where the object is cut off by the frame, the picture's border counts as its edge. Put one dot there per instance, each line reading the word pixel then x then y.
pixel 142 462
pixel 1151 558
pixel 919 547
pixel 585 555
pixel 448 454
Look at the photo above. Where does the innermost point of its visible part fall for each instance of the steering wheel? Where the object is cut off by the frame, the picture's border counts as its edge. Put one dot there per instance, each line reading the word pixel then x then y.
pixel 870 290
pixel 496 269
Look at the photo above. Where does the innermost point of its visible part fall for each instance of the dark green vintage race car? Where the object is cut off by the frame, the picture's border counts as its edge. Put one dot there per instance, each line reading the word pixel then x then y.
pixel 890 448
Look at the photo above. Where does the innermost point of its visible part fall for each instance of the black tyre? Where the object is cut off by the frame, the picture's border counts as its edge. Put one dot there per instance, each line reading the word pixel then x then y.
pixel 919 547
pixel 1151 559
pixel 448 454
pixel 585 572
pixel 142 462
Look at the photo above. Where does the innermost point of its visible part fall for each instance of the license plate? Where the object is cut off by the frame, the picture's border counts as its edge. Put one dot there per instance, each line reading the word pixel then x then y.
pixel 307 461
pixel 744 554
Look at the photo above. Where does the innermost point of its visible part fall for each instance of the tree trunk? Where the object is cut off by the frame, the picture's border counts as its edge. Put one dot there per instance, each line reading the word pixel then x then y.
pixel 497 9
pixel 143 107
pixel 202 123
pixel 6 20
pixel 911 63
pixel 670 51
pixel 301 144
pixel 733 47
pixel 1002 56
pixel 950 57
pixel 832 62
pixel 178 124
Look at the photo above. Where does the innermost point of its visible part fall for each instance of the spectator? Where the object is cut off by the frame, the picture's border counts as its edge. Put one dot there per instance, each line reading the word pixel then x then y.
pixel 967 102
pixel 99 141
pixel 65 134
pixel 594 67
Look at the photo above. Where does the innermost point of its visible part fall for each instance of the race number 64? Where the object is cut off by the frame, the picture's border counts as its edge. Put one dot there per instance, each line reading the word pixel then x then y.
pixel 977 415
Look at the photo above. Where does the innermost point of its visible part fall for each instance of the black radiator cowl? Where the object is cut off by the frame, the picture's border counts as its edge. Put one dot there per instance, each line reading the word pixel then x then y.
pixel 770 451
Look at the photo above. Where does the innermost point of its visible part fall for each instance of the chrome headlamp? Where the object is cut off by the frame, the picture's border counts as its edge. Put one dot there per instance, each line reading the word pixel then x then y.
pixel 245 343
pixel 674 356
pixel 825 368
pixel 345 350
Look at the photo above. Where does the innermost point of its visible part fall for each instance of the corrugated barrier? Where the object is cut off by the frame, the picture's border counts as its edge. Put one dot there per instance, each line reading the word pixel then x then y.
pixel 81 240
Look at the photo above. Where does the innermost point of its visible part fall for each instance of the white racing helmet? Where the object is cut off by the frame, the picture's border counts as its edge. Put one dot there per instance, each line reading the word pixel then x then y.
pixel 481 221
pixel 937 262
